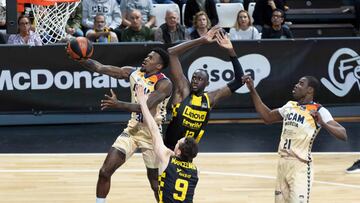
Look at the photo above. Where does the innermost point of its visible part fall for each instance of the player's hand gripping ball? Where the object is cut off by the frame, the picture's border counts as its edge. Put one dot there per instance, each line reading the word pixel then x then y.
pixel 79 48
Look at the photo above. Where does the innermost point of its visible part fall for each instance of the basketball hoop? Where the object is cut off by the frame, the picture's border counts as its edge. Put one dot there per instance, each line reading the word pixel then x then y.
pixel 50 17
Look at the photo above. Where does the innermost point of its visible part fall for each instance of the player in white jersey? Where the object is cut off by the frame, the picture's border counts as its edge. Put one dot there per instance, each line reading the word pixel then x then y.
pixel 136 135
pixel 302 120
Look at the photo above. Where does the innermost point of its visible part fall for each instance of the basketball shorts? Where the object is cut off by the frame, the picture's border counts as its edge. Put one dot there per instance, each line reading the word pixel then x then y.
pixel 293 181
pixel 138 137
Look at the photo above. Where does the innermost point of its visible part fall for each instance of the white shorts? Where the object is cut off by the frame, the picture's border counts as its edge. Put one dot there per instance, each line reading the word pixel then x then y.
pixel 293 181
pixel 138 137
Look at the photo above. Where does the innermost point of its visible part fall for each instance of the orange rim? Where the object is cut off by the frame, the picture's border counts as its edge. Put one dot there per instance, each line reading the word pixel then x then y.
pixel 45 2
pixel 21 3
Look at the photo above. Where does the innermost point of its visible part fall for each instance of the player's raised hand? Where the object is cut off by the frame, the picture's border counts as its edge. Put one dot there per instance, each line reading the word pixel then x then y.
pixel 109 101
pixel 210 35
pixel 249 82
pixel 223 40
pixel 317 117
pixel 140 94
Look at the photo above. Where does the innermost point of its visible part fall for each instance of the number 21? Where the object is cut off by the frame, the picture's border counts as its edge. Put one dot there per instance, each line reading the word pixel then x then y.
pixel 287 144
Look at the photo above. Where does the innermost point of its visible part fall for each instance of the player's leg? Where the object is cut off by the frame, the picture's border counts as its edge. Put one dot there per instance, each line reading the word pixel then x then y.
pixel 144 142
pixel 152 170
pixel 281 186
pixel 301 182
pixel 153 174
pixel 113 161
pixel 122 149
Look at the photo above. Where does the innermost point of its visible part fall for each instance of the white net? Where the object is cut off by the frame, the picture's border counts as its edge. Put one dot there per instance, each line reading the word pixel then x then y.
pixel 50 21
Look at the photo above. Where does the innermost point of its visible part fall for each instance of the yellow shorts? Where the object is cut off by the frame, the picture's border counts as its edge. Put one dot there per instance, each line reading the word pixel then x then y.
pixel 138 137
pixel 293 181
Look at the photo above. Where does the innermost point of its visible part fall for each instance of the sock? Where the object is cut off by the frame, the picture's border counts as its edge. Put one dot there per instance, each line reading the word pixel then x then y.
pixel 100 200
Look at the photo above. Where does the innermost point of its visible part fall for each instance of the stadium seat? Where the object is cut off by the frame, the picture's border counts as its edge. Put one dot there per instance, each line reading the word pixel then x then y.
pixel 319 11
pixel 160 12
pixel 319 18
pixel 251 9
pixel 227 13
pixel 183 14
pixel 322 30
pixel 296 4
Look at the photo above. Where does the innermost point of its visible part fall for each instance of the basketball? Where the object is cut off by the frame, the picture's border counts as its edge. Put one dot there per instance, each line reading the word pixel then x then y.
pixel 80 48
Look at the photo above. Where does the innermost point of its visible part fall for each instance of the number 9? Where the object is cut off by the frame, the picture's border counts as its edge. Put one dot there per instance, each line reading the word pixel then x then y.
pixel 181 186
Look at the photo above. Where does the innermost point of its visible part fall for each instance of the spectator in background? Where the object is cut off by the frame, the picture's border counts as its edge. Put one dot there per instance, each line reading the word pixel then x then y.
pixel 194 6
pixel 25 34
pixel 263 12
pixel 101 33
pixel 171 31
pixel 201 25
pixel 73 26
pixel 144 6
pixel 243 29
pixel 109 8
pixel 277 30
pixel 136 32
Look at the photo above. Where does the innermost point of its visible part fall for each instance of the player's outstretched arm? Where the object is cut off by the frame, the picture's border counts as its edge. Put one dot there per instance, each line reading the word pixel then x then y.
pixel 113 71
pixel 163 90
pixel 223 41
pixel 161 151
pixel 336 130
pixel 269 116
pixel 182 88
pixel 112 102
pixel 207 38
pixel 333 127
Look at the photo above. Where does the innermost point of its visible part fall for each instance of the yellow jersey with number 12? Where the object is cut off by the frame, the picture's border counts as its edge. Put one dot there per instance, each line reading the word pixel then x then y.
pixel 189 119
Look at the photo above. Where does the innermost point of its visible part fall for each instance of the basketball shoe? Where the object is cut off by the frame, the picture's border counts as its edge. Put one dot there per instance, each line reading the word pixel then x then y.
pixel 355 168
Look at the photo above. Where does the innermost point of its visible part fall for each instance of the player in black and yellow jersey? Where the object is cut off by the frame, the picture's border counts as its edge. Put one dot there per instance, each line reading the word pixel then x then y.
pixel 191 104
pixel 178 176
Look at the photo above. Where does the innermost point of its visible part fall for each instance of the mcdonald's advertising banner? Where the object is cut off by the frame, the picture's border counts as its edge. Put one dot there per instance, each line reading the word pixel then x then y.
pixel 34 79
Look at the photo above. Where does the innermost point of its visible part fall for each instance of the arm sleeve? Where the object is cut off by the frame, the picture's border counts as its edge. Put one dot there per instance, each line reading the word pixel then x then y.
pixel 325 115
pixel 236 83
pixel 282 110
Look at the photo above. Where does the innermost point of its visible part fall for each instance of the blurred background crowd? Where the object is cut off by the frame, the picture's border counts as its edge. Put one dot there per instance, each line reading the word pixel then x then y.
pixel 170 21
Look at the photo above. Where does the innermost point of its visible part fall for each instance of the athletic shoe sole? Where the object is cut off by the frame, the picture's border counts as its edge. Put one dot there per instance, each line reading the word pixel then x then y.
pixel 353 171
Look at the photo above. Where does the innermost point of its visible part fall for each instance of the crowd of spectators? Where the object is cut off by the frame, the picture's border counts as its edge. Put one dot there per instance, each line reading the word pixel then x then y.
pixel 109 21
